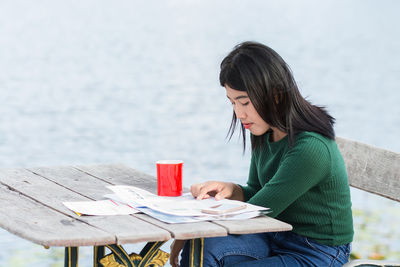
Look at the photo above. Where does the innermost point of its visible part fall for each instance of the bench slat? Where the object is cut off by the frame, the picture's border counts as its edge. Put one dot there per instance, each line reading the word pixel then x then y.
pixel 371 169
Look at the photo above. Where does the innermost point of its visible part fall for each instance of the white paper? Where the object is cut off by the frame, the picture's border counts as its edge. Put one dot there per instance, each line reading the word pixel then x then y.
pixel 168 218
pixel 100 207
pixel 185 205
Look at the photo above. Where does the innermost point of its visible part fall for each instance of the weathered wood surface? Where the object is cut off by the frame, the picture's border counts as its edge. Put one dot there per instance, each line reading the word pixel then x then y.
pixel 188 230
pixel 121 174
pixel 31 220
pixel 74 180
pixel 79 179
pixel 45 188
pixel 371 169
pixel 87 184
pixel 122 229
pixel 374 170
pixel 256 225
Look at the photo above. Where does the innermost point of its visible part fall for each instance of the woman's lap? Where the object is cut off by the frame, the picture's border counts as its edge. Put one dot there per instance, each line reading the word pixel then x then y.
pixel 227 250
pixel 271 249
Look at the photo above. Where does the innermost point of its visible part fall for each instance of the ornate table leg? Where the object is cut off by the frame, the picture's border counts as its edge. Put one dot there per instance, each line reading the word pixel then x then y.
pixel 196 252
pixel 123 257
pixel 150 256
pixel 71 257
pixel 98 254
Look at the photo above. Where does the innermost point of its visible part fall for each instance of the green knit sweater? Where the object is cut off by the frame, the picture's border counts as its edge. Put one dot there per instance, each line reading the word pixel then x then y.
pixel 305 185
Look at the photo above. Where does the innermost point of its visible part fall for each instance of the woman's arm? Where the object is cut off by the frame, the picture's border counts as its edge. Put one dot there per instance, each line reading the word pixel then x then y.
pixel 221 190
pixel 299 171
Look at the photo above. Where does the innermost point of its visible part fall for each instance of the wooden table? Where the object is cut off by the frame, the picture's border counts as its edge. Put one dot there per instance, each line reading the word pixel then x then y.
pixel 31 207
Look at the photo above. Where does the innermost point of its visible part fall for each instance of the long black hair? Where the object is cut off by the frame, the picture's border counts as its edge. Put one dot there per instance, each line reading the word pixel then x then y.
pixel 258 70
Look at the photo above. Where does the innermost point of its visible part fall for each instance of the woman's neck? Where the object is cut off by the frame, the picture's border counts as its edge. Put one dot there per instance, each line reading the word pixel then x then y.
pixel 277 135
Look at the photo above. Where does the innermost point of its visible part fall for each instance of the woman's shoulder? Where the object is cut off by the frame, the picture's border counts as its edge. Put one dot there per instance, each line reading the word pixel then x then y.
pixel 314 139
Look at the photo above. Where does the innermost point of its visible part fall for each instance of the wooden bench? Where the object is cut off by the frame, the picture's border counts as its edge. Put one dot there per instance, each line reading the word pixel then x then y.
pixel 373 170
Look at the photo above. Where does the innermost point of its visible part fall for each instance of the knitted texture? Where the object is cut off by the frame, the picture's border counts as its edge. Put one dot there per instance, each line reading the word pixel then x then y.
pixel 305 185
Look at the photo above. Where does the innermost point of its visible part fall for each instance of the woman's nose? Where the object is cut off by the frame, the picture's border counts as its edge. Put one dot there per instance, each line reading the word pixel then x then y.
pixel 240 114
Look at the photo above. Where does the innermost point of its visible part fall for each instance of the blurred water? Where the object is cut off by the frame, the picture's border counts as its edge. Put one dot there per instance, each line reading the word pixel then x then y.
pixel 134 82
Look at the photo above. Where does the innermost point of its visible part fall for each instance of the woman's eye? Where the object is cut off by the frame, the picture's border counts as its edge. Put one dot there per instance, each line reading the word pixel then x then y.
pixel 245 104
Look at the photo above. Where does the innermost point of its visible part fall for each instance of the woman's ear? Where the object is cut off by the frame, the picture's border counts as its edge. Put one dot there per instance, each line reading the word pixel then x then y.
pixel 277 96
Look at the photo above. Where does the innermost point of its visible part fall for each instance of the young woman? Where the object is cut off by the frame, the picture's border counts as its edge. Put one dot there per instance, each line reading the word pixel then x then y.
pixel 296 170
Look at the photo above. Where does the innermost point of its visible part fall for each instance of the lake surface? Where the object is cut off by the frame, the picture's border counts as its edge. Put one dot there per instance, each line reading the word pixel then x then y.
pixel 133 82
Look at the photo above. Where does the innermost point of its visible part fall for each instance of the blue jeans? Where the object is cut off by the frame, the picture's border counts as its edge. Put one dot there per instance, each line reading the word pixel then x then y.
pixel 268 249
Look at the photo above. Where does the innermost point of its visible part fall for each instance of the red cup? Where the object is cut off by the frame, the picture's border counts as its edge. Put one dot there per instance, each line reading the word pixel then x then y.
pixel 169 177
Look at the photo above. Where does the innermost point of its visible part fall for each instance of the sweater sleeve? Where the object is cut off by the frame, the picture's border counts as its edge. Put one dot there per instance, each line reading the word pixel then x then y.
pixel 253 184
pixel 304 166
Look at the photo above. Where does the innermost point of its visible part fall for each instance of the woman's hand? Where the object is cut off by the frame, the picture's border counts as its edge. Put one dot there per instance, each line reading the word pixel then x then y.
pixel 219 190
pixel 176 248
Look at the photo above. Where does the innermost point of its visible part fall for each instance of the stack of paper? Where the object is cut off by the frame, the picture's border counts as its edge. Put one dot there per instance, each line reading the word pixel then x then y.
pixel 184 208
pixel 130 199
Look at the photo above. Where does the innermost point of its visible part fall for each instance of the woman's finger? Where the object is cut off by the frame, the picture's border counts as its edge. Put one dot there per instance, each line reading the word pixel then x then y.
pixel 207 188
pixel 195 189
pixel 226 191
pixel 222 194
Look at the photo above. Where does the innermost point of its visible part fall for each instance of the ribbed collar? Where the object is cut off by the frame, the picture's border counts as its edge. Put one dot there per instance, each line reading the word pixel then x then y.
pixel 274 146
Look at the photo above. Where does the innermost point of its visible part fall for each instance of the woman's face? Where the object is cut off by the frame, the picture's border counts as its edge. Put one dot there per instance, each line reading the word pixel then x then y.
pixel 246 112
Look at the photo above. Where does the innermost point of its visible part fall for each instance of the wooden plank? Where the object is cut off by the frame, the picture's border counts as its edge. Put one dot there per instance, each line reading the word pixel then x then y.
pixel 39 189
pixel 74 180
pixel 130 230
pixel 256 225
pixel 371 169
pixel 91 181
pixel 188 230
pixel 125 229
pixel 33 221
pixel 121 174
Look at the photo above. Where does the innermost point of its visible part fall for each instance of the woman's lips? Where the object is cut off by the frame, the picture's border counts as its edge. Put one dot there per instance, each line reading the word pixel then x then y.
pixel 247 125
